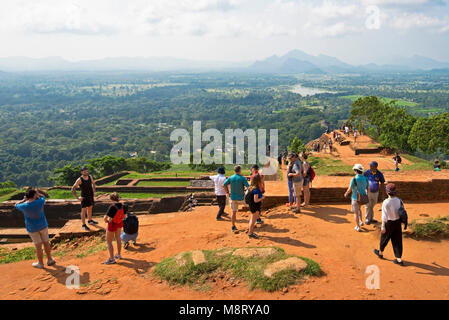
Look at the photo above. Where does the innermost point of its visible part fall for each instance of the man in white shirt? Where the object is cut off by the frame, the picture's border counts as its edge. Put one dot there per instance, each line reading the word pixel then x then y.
pixel 220 191
pixel 391 225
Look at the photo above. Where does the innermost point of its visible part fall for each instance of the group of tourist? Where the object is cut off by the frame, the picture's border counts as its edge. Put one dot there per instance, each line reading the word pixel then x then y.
pixel 365 189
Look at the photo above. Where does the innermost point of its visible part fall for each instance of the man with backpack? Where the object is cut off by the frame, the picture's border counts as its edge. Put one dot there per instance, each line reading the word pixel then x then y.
pixel 130 229
pixel 237 193
pixel 393 215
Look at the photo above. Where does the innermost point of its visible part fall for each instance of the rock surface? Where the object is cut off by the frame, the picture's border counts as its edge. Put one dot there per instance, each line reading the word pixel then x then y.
pixel 292 263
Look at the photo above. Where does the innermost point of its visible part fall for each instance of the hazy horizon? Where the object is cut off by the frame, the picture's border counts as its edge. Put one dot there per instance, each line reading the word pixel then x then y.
pixel 354 31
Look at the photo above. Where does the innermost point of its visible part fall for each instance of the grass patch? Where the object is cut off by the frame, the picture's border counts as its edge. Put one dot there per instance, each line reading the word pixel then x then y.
pixel 250 270
pixel 8 193
pixel 433 228
pixel 417 164
pixel 164 183
pixel 11 256
pixel 327 166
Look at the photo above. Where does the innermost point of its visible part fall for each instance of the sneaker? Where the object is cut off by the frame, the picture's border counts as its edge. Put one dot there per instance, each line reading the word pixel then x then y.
pixel 110 261
pixel 234 229
pixel 118 257
pixel 296 211
pixel 220 219
pixel 374 221
pixel 51 262
pixel 86 228
pixel 126 245
pixel 377 253
pixel 399 263
pixel 253 236
pixel 259 221
pixel 367 222
pixel 37 265
pixel 357 228
pixel 92 222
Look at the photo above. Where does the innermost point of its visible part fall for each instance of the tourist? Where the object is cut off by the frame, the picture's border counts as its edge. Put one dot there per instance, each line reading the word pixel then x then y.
pixel 391 225
pixel 437 165
pixel 307 179
pixel 295 174
pixel 220 191
pixel 397 161
pixel 255 203
pixel 358 185
pixel 114 218
pixel 87 185
pixel 32 207
pixel 291 192
pixel 355 136
pixel 375 177
pixel 280 160
pixel 347 130
pixel 330 145
pixel 237 193
pixel 130 229
pixel 255 170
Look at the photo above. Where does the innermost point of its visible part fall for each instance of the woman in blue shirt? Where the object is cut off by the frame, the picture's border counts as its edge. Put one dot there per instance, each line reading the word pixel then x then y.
pixel 359 184
pixel 32 207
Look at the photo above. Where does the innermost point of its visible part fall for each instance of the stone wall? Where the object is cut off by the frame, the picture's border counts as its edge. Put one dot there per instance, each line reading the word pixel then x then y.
pixel 110 178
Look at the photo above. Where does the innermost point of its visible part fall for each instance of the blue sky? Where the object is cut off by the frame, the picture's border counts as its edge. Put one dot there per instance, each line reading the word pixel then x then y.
pixel 356 31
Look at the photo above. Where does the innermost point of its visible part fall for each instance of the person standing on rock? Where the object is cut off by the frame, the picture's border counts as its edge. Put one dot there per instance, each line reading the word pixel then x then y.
pixel 397 161
pixel 220 191
pixel 375 178
pixel 296 177
pixel 391 225
pixel 32 207
pixel 237 193
pixel 255 203
pixel 87 185
pixel 358 185
pixel 255 170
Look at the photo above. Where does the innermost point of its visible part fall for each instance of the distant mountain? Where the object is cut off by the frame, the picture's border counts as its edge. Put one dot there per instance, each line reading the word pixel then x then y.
pixel 295 61
pixel 21 64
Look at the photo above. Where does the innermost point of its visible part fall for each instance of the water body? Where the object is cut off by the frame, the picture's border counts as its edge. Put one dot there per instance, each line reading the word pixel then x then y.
pixel 304 91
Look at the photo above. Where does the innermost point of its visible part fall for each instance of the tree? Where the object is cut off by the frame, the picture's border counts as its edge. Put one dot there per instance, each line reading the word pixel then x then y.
pixel 431 135
pixel 67 175
pixel 297 146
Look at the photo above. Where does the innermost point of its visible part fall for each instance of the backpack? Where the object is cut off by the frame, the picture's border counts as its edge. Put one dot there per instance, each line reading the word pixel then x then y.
pixel 131 224
pixel 249 197
pixel 403 216
pixel 361 198
pixel 311 173
pixel 120 214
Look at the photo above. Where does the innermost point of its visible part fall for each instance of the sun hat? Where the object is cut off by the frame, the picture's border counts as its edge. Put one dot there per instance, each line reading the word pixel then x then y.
pixel 358 167
pixel 391 188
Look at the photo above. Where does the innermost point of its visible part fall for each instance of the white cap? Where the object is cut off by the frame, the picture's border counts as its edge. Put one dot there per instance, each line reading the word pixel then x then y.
pixel 358 167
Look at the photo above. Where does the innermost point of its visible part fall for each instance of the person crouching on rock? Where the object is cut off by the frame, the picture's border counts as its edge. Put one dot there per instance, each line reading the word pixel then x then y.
pixel 114 218
pixel 32 207
pixel 255 203
pixel 130 229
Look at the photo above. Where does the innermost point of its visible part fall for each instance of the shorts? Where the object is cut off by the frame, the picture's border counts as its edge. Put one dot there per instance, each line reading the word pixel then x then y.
pixel 129 237
pixel 255 207
pixel 235 204
pixel 356 207
pixel 306 182
pixel 112 227
pixel 39 236
pixel 297 187
pixel 87 202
